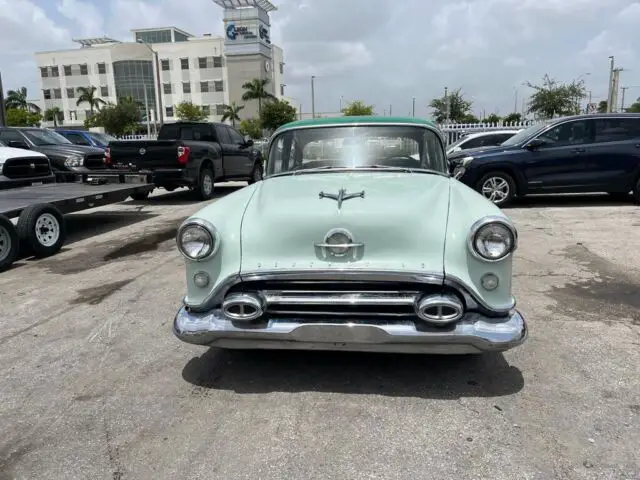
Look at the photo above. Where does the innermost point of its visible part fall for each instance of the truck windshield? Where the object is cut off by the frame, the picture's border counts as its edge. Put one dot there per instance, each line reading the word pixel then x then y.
pixel 379 146
pixel 526 134
pixel 102 138
pixel 45 137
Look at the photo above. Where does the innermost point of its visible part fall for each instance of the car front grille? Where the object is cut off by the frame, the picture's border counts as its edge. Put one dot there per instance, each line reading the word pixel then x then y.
pixel 94 161
pixel 26 167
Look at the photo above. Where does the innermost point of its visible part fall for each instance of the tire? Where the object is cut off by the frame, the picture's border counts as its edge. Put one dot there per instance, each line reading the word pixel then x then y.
pixel 9 243
pixel 204 188
pixel 256 175
pixel 618 195
pixel 41 228
pixel 169 188
pixel 497 187
pixel 140 195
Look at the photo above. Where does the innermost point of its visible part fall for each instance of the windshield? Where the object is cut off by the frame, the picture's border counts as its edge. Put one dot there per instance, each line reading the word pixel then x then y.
pixel 525 134
pixel 379 146
pixel 45 137
pixel 102 138
pixel 460 140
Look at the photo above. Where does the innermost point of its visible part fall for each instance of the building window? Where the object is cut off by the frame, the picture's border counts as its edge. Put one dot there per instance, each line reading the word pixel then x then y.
pixel 218 86
pixel 282 90
pixel 202 62
pixel 71 93
pixel 102 68
pixel 73 115
pixel 57 93
pixel 104 91
pixel 219 109
pixel 44 72
pixel 166 88
pixel 217 62
pixel 204 87
pixel 168 111
pixel 165 65
pixel 186 87
pixel 130 78
pixel 184 63
pixel 55 72
pixel 281 67
pixel 67 70
pixel 84 70
pixel 47 94
pixel 206 109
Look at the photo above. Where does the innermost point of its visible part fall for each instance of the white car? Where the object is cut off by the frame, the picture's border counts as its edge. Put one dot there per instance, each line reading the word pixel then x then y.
pixel 19 167
pixel 481 139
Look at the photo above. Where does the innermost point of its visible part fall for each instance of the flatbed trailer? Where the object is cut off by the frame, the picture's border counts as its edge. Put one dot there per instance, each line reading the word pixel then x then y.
pixel 40 209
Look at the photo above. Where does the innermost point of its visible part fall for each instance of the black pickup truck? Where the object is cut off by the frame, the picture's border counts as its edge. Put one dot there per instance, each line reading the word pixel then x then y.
pixel 191 154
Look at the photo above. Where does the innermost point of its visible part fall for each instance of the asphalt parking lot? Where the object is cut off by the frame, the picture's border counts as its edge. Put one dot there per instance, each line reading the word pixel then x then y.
pixel 94 384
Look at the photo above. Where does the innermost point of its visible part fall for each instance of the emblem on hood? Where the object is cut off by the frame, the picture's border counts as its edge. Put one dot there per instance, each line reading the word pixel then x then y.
pixel 142 151
pixel 341 196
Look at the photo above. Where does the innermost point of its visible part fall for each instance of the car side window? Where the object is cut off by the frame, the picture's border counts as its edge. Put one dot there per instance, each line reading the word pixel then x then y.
pixel 617 130
pixel 223 134
pixel 498 139
pixel 11 136
pixel 473 143
pixel 577 132
pixel 77 139
pixel 236 138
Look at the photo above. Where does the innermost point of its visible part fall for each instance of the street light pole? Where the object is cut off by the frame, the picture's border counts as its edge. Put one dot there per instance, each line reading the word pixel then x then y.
pixel 610 96
pixel 158 92
pixel 146 110
pixel 624 89
pixel 313 97
pixel 413 114
pixel 3 113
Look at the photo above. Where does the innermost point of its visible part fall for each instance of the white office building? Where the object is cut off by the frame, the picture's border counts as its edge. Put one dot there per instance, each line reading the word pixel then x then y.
pixel 208 71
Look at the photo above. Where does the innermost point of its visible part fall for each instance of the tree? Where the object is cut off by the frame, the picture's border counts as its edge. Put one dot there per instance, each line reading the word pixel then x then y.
pixel 493 118
pixel 554 98
pixel 117 119
pixel 356 108
pixel 459 108
pixel 190 112
pixel 255 90
pixel 19 117
pixel 54 114
pixel 230 112
pixel 18 99
pixel 251 127
pixel 88 95
pixel 602 106
pixel 513 118
pixel 277 113
pixel 635 107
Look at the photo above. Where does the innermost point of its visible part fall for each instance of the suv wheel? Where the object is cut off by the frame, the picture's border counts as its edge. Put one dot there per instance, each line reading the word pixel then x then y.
pixel 497 187
pixel 204 189
pixel 256 175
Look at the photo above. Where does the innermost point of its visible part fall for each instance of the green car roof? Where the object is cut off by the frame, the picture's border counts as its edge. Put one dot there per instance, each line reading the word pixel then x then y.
pixel 348 120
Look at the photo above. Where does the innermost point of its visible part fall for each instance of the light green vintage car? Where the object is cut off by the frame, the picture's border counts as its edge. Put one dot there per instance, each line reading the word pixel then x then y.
pixel 357 239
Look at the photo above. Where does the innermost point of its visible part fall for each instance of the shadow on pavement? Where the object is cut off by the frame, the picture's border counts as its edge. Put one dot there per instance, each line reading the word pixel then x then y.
pixel 81 226
pixel 572 200
pixel 182 196
pixel 425 376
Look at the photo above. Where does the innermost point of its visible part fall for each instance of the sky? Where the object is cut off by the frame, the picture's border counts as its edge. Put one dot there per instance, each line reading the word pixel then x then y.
pixel 383 52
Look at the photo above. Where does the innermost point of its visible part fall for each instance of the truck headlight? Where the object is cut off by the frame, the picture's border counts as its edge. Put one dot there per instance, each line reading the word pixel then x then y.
pixel 492 239
pixel 197 239
pixel 74 161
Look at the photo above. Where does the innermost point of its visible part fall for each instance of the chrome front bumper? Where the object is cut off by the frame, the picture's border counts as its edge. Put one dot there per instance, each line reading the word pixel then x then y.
pixel 474 333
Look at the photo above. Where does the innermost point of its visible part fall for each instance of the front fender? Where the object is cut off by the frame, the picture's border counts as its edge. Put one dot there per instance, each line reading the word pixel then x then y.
pixel 466 206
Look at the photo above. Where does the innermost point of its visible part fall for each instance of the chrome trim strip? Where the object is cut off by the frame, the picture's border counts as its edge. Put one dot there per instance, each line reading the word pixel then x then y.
pixel 293 297
pixel 333 313
pixel 338 245
pixel 486 221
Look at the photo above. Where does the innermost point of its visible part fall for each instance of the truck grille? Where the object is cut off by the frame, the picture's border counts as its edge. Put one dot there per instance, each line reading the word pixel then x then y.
pixel 26 167
pixel 94 161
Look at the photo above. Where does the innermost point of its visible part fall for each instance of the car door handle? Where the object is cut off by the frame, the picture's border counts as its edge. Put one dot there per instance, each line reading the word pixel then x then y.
pixel 578 150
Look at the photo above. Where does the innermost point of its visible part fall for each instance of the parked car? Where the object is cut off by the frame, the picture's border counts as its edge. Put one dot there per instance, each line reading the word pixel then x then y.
pixel 83 137
pixel 19 168
pixel 192 154
pixel 577 154
pixel 481 139
pixel 65 157
pixel 366 248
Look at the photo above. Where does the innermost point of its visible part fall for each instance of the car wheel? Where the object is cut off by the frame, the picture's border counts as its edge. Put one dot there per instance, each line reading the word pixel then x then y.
pixel 41 228
pixel 9 243
pixel 497 187
pixel 256 175
pixel 141 195
pixel 204 190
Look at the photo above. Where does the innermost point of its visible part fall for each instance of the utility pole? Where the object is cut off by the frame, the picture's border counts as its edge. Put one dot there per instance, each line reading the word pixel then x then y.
pixel 446 104
pixel 146 110
pixel 515 103
pixel 624 89
pixel 3 112
pixel 610 96
pixel 614 89
pixel 390 109
pixel 413 114
pixel 313 97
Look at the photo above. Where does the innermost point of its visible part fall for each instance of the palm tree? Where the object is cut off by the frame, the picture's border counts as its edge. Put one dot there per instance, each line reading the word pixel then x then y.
pixel 53 114
pixel 18 99
pixel 231 113
pixel 255 90
pixel 88 95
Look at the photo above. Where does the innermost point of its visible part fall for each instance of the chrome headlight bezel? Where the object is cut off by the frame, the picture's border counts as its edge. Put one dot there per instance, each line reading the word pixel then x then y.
pixel 485 222
pixel 74 160
pixel 209 229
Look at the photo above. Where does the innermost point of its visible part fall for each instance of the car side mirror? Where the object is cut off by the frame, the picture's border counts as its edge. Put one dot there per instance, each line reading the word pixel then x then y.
pixel 535 144
pixel 248 141
pixel 18 144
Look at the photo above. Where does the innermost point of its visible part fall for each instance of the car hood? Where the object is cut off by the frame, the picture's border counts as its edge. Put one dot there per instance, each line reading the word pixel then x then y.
pixel 401 221
pixel 68 150
pixel 7 153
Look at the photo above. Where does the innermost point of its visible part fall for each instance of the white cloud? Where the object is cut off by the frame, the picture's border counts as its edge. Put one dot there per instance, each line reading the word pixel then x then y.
pixel 88 18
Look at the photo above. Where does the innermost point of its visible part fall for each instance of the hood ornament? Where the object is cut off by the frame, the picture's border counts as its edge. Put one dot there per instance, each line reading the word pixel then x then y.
pixel 341 196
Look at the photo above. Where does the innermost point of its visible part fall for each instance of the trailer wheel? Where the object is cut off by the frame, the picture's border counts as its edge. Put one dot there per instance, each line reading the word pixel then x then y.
pixel 140 195
pixel 9 243
pixel 41 227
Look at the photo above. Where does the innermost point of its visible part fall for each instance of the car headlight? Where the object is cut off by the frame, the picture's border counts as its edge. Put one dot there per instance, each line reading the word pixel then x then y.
pixel 492 239
pixel 466 161
pixel 197 239
pixel 74 161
